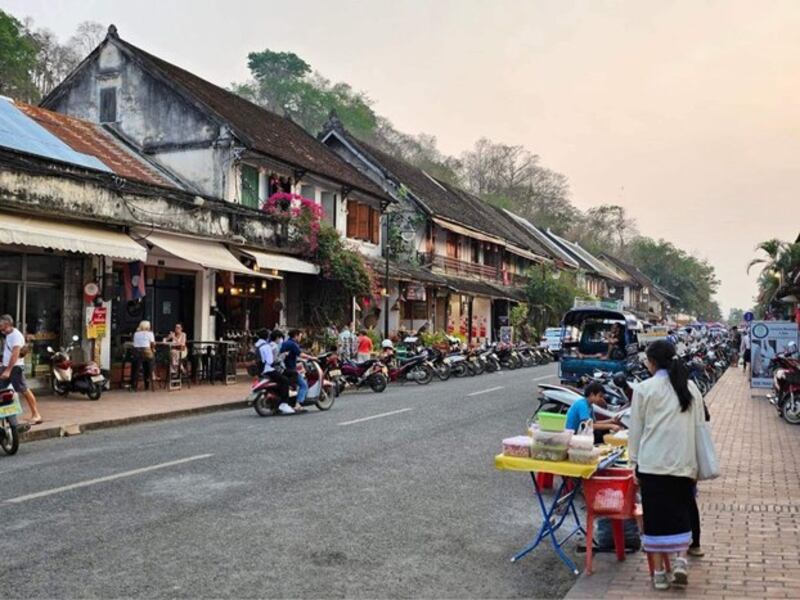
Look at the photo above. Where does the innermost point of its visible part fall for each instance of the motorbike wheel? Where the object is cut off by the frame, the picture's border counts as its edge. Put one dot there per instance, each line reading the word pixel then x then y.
pixel 59 389
pixel 325 400
pixel 478 367
pixel 95 392
pixel 460 369
pixel 378 382
pixel 263 406
pixel 10 438
pixel 423 374
pixel 492 364
pixel 790 410
pixel 545 358
pixel 443 372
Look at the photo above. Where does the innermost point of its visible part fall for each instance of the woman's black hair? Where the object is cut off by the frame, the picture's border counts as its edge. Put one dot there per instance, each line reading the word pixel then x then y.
pixel 262 333
pixel 662 354
pixel 594 387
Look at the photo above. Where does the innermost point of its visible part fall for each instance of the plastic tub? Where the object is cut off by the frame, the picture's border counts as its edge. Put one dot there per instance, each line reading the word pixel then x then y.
pixel 548 452
pixel 551 421
pixel 582 442
pixel 611 492
pixel 584 457
pixel 519 446
pixel 552 438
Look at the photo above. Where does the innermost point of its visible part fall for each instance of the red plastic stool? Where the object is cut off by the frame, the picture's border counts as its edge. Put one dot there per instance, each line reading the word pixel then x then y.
pixel 544 481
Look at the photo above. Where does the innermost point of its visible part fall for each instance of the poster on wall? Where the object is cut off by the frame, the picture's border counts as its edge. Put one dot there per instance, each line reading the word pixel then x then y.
pixel 768 338
pixel 415 292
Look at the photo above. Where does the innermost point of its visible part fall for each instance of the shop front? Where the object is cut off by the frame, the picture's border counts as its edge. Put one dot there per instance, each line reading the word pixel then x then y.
pixel 44 266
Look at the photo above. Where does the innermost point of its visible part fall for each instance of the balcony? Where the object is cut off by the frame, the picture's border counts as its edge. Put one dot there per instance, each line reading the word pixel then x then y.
pixel 453 266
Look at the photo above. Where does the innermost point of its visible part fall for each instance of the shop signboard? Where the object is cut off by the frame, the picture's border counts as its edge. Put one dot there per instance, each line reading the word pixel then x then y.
pixel 768 338
pixel 96 322
pixel 415 292
pixel 656 332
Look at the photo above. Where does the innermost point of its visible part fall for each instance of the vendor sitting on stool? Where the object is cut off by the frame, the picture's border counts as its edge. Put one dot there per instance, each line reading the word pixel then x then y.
pixel 581 412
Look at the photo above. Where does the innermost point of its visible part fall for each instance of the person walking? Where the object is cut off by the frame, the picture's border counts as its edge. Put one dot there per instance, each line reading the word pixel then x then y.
pixel 667 409
pixel 364 346
pixel 745 349
pixel 13 368
pixel 144 344
pixel 345 344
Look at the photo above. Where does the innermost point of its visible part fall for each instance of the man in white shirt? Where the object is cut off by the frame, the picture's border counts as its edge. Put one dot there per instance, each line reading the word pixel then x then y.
pixel 14 365
pixel 744 349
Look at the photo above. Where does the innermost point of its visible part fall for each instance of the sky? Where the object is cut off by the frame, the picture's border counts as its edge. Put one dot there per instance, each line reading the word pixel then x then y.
pixel 684 112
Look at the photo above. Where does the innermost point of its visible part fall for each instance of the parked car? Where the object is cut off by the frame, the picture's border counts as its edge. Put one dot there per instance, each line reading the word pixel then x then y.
pixel 551 340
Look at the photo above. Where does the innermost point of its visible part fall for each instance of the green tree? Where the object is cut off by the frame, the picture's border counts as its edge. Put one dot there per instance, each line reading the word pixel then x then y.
pixel 735 316
pixel 780 264
pixel 550 294
pixel 17 60
pixel 693 280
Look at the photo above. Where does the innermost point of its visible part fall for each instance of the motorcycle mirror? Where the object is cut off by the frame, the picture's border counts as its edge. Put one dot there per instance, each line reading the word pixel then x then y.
pixel 50 349
pixel 75 338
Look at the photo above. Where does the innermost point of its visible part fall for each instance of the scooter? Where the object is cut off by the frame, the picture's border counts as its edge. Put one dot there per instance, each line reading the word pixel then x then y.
pixel 68 377
pixel 264 397
pixel 10 409
pixel 415 368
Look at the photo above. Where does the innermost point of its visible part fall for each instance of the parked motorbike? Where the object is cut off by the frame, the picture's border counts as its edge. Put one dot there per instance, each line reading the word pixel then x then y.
pixel 83 378
pixel 785 394
pixel 10 409
pixel 370 373
pixel 264 397
pixel 414 368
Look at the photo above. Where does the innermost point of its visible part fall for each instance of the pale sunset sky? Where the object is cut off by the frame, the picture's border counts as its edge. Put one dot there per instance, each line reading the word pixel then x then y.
pixel 685 112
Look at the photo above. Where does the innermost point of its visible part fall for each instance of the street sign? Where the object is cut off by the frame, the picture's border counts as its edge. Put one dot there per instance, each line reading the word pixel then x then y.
pixel 748 316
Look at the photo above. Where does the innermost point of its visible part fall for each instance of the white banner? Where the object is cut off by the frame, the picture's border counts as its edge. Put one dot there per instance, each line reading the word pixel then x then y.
pixel 767 338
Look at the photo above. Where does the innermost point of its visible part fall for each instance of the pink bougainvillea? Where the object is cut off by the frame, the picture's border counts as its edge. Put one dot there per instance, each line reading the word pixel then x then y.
pixel 301 213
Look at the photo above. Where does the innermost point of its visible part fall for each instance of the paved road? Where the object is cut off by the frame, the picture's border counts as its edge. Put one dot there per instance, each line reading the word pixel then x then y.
pixel 386 495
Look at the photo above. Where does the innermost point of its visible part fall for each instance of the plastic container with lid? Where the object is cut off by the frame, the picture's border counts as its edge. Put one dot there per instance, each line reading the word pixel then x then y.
pixel 519 446
pixel 551 421
pixel 548 452
pixel 552 438
pixel 582 441
pixel 584 457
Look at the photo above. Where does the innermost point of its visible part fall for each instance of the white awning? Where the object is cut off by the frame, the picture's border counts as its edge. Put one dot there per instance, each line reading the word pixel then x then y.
pixel 281 262
pixel 210 255
pixel 41 233
pixel 469 232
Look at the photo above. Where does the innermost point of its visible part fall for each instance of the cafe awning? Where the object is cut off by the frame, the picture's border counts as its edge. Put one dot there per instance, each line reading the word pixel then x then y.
pixel 466 231
pixel 281 262
pixel 211 255
pixel 68 237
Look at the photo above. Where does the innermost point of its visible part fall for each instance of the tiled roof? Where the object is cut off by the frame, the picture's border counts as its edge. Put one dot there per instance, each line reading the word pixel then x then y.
pixel 261 129
pixel 446 201
pixel 640 277
pixel 91 139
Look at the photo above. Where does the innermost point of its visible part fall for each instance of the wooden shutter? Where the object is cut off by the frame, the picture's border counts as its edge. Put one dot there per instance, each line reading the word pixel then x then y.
pixel 375 236
pixel 249 186
pixel 363 222
pixel 352 219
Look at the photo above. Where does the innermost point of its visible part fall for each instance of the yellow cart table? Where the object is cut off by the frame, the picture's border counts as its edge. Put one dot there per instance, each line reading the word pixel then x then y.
pixel 563 504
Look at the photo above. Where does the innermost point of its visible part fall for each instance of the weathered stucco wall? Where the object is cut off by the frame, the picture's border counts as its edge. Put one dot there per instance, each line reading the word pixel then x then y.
pixel 57 197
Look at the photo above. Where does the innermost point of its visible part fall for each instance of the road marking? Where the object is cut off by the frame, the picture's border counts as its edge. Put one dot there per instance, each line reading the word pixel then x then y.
pixel 89 482
pixel 388 414
pixel 543 378
pixel 493 389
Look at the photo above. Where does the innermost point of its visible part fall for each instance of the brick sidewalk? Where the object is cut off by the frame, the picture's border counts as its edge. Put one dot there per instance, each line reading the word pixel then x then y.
pixel 71 415
pixel 750 515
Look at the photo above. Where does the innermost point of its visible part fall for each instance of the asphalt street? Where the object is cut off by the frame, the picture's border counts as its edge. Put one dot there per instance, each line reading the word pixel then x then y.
pixel 385 495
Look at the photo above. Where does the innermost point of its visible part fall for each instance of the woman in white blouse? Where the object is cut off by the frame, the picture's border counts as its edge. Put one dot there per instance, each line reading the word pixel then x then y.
pixel 143 355
pixel 665 413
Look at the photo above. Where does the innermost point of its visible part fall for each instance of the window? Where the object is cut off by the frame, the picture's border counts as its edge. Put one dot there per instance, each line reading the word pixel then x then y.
pixel 328 208
pixel 248 194
pixel 108 105
pixel 363 222
pixel 476 252
pixel 308 191
pixel 453 243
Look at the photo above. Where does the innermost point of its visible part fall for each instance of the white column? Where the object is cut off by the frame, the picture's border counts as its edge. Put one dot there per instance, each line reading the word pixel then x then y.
pixel 204 299
pixel 263 186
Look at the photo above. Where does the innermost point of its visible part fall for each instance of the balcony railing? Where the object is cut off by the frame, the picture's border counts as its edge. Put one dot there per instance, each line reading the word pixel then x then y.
pixel 453 266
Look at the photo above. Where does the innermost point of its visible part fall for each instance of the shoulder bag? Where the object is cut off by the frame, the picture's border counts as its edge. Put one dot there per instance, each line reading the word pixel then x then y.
pixel 707 463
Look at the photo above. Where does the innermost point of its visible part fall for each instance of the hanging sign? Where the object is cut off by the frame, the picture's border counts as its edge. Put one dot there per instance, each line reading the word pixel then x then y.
pixel 96 322
pixel 768 338
pixel 415 292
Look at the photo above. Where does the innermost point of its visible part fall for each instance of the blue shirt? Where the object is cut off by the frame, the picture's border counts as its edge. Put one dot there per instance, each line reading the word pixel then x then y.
pixel 292 351
pixel 578 413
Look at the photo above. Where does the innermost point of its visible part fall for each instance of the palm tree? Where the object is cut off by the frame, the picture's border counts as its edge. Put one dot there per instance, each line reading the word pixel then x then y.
pixel 782 264
pixel 772 248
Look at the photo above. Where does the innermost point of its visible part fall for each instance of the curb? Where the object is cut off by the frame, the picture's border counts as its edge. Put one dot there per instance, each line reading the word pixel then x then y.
pixel 76 429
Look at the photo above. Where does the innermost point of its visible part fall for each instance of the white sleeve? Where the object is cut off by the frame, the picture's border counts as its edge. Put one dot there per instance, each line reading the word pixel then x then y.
pixel 637 425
